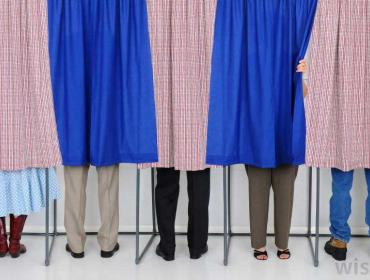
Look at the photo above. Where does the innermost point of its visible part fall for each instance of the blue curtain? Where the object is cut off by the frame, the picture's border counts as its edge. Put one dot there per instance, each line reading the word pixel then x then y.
pixel 256 102
pixel 102 81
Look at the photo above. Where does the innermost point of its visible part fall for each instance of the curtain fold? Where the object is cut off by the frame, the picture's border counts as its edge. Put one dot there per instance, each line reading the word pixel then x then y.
pixel 102 81
pixel 181 35
pixel 28 134
pixel 338 106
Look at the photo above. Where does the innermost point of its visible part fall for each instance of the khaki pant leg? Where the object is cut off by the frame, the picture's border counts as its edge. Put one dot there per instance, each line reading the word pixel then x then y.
pixel 108 178
pixel 75 205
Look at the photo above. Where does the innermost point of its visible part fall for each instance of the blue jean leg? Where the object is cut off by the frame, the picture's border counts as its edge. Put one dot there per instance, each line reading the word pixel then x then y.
pixel 340 204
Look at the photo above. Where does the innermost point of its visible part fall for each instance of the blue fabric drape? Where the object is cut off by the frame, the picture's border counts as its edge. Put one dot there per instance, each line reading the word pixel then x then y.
pixel 102 81
pixel 256 106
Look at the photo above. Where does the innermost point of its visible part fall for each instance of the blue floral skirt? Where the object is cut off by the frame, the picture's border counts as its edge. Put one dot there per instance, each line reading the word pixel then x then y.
pixel 23 192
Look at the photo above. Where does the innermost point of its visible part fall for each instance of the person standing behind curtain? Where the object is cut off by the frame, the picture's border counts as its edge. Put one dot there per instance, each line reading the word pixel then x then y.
pixel 282 180
pixel 338 108
pixel 104 103
pixel 182 39
pixel 256 115
pixel 29 147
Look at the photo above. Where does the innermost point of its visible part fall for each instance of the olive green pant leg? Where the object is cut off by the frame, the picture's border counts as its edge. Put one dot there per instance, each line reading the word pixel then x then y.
pixel 259 193
pixel 283 180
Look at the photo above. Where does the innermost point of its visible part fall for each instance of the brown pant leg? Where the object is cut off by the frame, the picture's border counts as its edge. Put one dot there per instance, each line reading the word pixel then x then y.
pixel 259 193
pixel 283 179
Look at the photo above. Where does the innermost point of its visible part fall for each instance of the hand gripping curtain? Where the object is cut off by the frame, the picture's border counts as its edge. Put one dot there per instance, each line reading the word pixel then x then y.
pixel 102 81
pixel 256 105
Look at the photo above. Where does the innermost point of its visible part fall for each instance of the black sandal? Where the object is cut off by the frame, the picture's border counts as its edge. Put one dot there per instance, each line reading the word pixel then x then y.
pixel 284 252
pixel 259 253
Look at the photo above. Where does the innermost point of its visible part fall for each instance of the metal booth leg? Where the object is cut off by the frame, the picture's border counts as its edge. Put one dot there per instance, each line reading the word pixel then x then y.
pixel 309 222
pixel 227 213
pixel 314 246
pixel 229 201
pixel 140 255
pixel 317 233
pixel 48 246
pixel 154 219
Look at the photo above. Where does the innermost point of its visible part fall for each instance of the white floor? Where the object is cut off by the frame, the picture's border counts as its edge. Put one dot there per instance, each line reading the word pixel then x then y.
pixel 242 264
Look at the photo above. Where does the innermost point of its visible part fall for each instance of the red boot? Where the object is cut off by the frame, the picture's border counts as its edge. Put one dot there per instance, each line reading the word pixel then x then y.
pixel 3 240
pixel 16 228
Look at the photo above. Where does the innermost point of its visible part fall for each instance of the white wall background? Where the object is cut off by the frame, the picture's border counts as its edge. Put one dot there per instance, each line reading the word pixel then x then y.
pixel 240 213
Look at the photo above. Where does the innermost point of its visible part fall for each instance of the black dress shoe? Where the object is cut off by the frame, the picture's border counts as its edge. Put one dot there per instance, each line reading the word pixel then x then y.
pixel 197 254
pixel 109 254
pixel 163 255
pixel 73 254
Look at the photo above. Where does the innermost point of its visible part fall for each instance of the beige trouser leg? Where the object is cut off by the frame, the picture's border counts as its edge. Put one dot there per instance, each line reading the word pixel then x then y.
pixel 108 203
pixel 75 205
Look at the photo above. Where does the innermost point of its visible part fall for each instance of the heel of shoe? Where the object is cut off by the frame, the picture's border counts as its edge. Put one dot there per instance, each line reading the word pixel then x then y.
pixel 15 250
pixel 340 254
pixel 3 238
pixel 3 252
pixel 15 255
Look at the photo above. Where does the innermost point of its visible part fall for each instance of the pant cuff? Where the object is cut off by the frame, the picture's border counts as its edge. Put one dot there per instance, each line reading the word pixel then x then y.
pixel 258 245
pixel 345 240
pixel 282 246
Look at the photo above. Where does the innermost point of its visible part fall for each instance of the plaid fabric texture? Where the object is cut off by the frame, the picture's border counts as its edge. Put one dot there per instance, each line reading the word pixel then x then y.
pixel 182 40
pixel 28 136
pixel 338 105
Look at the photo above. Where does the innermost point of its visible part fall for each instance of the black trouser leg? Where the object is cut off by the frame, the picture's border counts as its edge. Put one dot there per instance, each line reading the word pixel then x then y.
pixel 166 197
pixel 198 192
